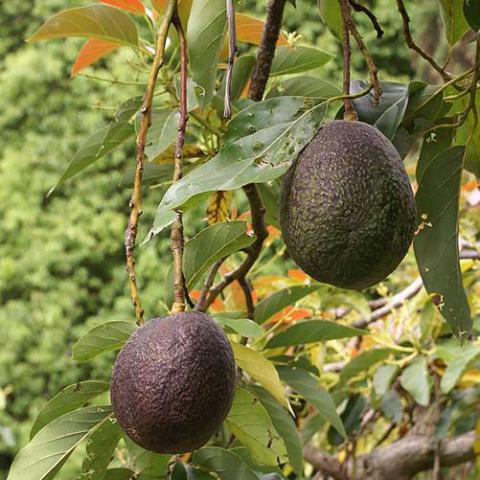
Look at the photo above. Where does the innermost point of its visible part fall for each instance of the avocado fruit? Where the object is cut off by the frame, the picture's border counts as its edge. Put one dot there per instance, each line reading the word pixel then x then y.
pixel 173 383
pixel 348 212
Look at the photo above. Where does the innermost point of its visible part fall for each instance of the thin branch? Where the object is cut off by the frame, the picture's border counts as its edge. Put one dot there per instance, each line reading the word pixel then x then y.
pixel 208 284
pixel 376 25
pixel 247 291
pixel 176 236
pixel 135 201
pixel 232 51
pixel 350 113
pixel 413 46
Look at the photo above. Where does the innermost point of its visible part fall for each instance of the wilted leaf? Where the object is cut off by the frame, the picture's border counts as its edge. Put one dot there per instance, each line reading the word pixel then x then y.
pixel 93 50
pixel 298 59
pixel 416 381
pixel 103 338
pixel 218 207
pixel 96 20
pixel 260 369
pixel 69 399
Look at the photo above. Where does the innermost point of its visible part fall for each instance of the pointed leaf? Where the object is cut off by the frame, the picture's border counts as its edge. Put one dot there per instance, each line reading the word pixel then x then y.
pixel 436 242
pixel 98 21
pixel 260 369
pixel 309 388
pixel 69 399
pixel 50 448
pixel 332 16
pixel 93 50
pixel 361 363
pixel 458 365
pixel 416 381
pixel 243 326
pixel 249 422
pixel 307 87
pixel 455 23
pixel 134 6
pixel 298 59
pixel 383 378
pixel 103 338
pixel 311 331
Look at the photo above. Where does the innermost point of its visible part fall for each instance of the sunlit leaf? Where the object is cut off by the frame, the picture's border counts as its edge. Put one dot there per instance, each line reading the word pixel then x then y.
pixel 69 399
pixel 249 30
pixel 103 338
pixel 260 369
pixel 332 16
pixel 218 207
pixel 96 20
pixel 457 365
pixel 298 59
pixel 242 326
pixel 383 378
pixel 416 381
pixel 134 6
pixel 93 50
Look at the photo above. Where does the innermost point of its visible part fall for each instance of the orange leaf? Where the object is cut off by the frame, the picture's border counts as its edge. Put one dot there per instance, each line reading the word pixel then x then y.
pixel 184 7
pixel 298 275
pixel 94 49
pixel 290 314
pixel 134 6
pixel 249 30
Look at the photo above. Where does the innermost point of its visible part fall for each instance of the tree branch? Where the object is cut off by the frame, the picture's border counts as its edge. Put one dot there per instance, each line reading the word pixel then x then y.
pixel 376 25
pixel 176 236
pixel 232 51
pixel 135 201
pixel 413 46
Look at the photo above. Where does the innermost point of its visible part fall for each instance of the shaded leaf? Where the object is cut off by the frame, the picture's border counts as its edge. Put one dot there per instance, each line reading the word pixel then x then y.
pixel 103 338
pixel 468 134
pixel 218 207
pixel 391 406
pixel 262 142
pixel 260 369
pixel 69 399
pixel 351 419
pixel 162 133
pixel 298 59
pixel 242 70
pixel 306 87
pixel 249 422
pixel 285 425
pixel 457 366
pixel 436 242
pixel 118 474
pixel 362 362
pixel 415 380
pixel 96 20
pixel 383 378
pixel 471 11
pixel 42 458
pixel 277 301
pixel 309 388
pixel 455 23
pixel 93 50
pixel 134 6
pixel 310 331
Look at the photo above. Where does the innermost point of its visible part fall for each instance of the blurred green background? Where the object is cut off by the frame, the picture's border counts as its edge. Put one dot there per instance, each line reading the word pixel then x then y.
pixel 61 258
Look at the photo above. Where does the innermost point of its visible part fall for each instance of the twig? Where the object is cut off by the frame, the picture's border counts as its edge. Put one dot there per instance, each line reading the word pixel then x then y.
pixel 350 113
pixel 208 284
pixel 176 236
pixel 413 46
pixel 247 291
pixel 376 25
pixel 232 51
pixel 372 68
pixel 135 201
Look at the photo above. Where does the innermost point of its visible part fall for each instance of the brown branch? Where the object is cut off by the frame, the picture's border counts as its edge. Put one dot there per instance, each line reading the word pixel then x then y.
pixel 247 291
pixel 376 25
pixel 176 236
pixel 208 284
pixel 232 51
pixel 413 46
pixel 266 51
pixel 135 201
pixel 350 113
pixel 401 460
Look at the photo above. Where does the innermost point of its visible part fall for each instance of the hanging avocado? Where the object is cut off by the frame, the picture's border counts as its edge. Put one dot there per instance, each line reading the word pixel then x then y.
pixel 347 210
pixel 173 383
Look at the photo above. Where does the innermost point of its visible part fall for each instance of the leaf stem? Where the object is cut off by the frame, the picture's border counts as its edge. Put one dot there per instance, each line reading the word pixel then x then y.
pixel 232 51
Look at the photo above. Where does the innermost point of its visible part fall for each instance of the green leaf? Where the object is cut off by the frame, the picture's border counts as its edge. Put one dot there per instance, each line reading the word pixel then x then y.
pixel 224 463
pixel 436 243
pixel 98 21
pixel 162 133
pixel 310 331
pixel 471 11
pixel 391 406
pixel 102 142
pixel 43 457
pixel 383 378
pixel 271 201
pixel 285 425
pixel 148 465
pixel 118 474
pixel 388 114
pixel 205 33
pixel 207 247
pixel 249 422
pixel 351 418
pixel 309 388
pixel 455 23
pixel 306 87
pixel 242 70
pixel 457 366
pixel 277 301
pixel 100 449
pixel 260 369
pixel 243 326
pixel 69 399
pixel 415 380
pixel 332 16
pixel 361 363
pixel 468 134
pixel 103 338
pixel 262 142
pixel 298 59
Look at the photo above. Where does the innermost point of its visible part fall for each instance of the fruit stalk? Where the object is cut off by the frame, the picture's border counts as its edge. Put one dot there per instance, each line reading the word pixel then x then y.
pixel 135 201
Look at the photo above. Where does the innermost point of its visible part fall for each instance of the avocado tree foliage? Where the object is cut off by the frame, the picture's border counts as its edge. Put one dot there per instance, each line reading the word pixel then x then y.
pixel 219 129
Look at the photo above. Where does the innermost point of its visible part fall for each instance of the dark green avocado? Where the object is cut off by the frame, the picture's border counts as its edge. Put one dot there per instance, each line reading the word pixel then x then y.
pixel 173 383
pixel 347 208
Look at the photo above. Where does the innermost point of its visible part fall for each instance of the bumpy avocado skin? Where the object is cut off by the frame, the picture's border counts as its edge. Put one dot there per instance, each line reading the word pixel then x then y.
pixel 173 383
pixel 347 208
